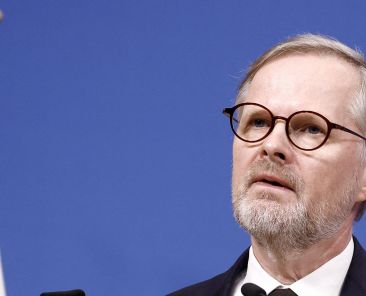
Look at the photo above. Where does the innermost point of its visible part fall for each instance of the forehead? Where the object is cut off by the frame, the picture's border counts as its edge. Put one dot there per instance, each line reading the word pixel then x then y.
pixel 321 83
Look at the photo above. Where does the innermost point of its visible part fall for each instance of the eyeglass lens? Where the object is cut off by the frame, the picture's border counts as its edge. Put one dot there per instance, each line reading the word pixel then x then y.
pixel 253 123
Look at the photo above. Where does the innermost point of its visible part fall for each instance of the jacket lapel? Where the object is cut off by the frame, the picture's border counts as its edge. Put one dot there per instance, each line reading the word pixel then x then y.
pixel 232 274
pixel 355 281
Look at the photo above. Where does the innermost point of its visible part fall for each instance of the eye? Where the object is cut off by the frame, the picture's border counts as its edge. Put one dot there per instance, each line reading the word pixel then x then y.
pixel 312 129
pixel 308 124
pixel 258 122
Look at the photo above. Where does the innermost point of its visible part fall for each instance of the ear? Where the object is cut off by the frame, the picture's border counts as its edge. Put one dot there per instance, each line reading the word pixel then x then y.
pixel 362 193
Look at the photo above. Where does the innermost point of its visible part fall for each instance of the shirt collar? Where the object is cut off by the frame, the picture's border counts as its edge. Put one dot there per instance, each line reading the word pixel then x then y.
pixel 327 280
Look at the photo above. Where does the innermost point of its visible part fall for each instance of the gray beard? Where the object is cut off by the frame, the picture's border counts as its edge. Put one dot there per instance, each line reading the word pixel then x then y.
pixel 293 227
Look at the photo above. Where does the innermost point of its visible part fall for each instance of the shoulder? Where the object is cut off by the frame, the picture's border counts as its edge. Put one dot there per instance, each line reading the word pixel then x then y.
pixel 355 283
pixel 220 284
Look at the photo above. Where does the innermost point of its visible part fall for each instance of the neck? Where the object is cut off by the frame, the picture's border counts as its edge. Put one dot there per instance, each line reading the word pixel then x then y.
pixel 296 265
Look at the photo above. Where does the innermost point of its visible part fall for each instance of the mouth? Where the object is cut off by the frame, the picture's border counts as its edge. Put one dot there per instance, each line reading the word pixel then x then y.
pixel 272 181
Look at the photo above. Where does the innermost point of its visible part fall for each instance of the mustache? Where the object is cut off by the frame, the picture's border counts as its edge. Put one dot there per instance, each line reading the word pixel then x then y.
pixel 266 166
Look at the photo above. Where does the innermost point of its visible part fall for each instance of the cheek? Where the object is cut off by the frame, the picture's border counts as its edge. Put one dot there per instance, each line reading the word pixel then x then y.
pixel 241 159
pixel 325 175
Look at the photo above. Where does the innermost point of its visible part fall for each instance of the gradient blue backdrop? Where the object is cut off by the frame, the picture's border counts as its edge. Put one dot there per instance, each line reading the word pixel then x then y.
pixel 115 158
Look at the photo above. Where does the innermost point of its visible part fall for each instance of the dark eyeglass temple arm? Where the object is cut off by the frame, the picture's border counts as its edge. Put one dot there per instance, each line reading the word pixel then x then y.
pixel 337 126
pixel 227 112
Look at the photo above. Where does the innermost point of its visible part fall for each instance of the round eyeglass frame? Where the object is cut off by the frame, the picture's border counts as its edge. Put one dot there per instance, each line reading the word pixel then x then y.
pixel 330 125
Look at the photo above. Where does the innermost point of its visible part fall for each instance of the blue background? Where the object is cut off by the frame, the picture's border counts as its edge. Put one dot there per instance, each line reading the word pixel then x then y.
pixel 115 157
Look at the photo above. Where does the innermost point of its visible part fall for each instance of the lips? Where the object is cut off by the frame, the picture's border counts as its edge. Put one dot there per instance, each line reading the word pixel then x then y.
pixel 271 180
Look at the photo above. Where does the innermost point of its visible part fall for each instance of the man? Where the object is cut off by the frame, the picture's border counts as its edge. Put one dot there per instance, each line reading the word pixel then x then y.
pixel 299 173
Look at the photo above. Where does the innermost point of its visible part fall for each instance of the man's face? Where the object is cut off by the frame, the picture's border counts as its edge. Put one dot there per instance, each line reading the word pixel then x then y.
pixel 284 195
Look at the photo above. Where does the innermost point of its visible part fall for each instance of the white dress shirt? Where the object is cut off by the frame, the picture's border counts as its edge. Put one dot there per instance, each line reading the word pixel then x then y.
pixel 327 280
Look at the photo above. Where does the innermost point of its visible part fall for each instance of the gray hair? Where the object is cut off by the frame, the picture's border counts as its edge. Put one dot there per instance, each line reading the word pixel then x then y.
pixel 322 45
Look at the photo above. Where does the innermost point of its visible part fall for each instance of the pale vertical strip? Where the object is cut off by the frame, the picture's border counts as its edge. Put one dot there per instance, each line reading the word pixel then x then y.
pixel 2 283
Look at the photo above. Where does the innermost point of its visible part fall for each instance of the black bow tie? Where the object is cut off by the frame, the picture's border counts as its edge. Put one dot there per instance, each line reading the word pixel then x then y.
pixel 250 289
pixel 282 292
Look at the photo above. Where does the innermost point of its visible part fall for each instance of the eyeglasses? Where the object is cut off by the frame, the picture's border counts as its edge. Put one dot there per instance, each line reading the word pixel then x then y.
pixel 307 130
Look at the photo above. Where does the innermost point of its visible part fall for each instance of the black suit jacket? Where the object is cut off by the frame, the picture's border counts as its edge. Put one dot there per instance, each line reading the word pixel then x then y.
pixel 221 285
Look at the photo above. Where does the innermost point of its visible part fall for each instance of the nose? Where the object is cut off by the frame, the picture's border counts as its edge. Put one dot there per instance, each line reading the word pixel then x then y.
pixel 276 145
